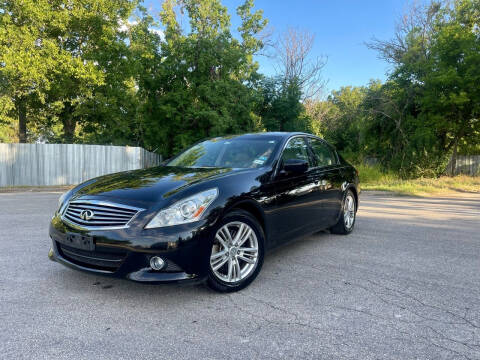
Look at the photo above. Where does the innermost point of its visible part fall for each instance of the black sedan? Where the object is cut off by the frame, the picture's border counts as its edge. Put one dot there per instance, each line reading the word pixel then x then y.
pixel 209 214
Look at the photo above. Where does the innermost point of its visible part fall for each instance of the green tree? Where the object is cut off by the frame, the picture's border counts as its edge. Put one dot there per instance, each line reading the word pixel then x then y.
pixel 24 61
pixel 344 126
pixel 281 108
pixel 114 114
pixel 203 86
pixel 54 55
pixel 428 108
pixel 451 95
pixel 297 83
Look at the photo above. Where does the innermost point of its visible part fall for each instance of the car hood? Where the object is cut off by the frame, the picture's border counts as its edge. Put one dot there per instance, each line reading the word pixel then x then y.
pixel 149 185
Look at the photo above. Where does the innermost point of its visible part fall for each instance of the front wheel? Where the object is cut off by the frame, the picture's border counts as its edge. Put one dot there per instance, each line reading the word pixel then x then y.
pixel 237 252
pixel 346 221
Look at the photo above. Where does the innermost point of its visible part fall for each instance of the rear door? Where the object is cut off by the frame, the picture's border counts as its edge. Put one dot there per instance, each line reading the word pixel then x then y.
pixel 328 172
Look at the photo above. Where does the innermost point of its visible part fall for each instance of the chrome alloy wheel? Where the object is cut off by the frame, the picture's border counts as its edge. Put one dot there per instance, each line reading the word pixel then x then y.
pixel 234 252
pixel 349 211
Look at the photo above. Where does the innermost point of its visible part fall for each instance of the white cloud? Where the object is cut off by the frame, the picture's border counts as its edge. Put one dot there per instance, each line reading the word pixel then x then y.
pixel 123 27
pixel 159 32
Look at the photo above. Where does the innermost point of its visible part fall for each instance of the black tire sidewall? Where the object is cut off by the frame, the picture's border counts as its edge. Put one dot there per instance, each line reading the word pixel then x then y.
pixel 243 216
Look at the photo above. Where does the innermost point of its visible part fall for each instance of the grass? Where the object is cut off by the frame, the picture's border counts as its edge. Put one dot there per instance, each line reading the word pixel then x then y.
pixel 372 178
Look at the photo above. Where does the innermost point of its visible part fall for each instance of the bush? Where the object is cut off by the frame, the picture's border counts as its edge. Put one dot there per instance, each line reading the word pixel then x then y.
pixel 374 174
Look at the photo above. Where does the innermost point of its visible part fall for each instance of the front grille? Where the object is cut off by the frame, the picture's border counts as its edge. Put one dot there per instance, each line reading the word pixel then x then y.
pixel 92 214
pixel 107 260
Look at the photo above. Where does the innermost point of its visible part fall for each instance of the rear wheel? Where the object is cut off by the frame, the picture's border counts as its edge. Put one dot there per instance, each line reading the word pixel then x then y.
pixel 346 222
pixel 237 252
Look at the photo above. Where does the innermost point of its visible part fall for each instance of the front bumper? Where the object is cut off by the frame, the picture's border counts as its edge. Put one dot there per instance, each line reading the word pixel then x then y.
pixel 126 253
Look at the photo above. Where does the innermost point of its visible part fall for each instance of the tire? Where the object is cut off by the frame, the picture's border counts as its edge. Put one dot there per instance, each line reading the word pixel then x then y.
pixel 348 215
pixel 236 268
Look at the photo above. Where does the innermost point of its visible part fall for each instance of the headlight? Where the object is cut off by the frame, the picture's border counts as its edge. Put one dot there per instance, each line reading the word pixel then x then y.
pixel 184 211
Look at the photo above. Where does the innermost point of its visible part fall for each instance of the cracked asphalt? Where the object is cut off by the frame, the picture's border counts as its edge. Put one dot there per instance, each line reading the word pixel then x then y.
pixel 404 285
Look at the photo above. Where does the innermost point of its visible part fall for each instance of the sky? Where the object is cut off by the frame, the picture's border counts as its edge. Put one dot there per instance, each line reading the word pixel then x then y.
pixel 341 27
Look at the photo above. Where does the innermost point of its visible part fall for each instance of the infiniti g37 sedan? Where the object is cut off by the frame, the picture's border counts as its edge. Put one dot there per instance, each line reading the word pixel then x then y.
pixel 209 214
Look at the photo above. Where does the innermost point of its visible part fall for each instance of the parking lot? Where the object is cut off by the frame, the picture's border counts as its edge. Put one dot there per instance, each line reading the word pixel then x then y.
pixel 404 285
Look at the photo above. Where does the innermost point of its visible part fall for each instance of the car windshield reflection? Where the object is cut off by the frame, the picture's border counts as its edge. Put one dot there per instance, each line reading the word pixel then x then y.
pixel 227 153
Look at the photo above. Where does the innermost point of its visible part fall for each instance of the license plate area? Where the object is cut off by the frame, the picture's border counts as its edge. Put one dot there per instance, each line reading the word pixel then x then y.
pixel 78 241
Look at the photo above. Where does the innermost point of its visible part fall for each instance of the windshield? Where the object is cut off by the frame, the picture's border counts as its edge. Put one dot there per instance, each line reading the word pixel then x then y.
pixel 238 152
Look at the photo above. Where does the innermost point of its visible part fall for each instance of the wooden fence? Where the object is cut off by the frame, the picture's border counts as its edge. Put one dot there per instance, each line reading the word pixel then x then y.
pixel 67 164
pixel 466 164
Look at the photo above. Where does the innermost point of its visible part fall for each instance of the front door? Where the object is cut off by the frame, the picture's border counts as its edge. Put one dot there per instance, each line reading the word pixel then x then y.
pixel 297 201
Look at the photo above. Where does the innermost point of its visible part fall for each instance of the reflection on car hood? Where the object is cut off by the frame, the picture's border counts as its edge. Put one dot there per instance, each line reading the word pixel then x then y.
pixel 150 185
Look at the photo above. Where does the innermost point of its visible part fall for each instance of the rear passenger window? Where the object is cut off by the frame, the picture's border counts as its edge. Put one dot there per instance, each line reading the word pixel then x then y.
pixel 296 149
pixel 322 153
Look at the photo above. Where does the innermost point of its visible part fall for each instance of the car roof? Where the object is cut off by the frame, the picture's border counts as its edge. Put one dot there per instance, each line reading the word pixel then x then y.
pixel 269 134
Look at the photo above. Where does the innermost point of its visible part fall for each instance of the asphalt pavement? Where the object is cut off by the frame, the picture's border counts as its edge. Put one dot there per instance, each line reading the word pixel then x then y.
pixel 404 285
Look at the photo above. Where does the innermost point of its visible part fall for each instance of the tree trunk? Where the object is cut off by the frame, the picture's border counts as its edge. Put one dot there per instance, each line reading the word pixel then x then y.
pixel 69 124
pixel 22 120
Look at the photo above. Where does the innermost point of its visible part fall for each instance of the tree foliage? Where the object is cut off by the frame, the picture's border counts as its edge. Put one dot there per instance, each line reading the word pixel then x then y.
pixel 428 109
pixel 54 56
pixel 203 84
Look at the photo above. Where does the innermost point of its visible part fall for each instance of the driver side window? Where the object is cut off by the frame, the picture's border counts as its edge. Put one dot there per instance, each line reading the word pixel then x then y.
pixel 296 149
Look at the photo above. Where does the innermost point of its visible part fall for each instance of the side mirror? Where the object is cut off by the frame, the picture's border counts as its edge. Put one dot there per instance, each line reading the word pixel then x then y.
pixel 295 166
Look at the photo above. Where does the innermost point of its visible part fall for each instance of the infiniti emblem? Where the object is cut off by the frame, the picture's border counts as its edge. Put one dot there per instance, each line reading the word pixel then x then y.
pixel 87 214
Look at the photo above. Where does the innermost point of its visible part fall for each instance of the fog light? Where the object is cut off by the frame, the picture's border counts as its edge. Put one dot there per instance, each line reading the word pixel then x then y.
pixel 157 263
pixel 51 254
